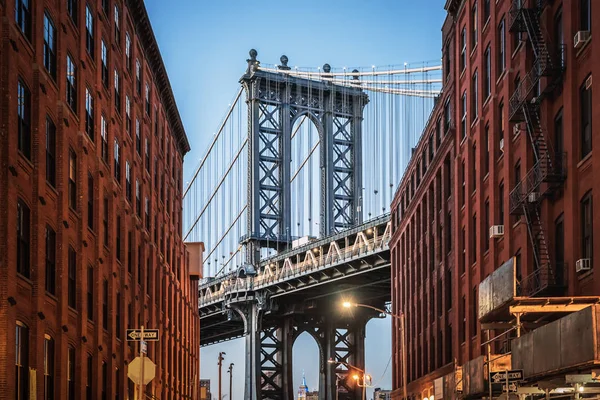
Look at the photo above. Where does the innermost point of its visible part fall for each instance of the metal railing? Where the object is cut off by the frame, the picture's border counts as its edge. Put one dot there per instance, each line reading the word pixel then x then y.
pixel 232 284
pixel 547 277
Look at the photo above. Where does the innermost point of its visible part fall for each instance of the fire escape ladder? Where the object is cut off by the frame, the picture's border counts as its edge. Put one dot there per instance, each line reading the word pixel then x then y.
pixel 535 130
pixel 542 276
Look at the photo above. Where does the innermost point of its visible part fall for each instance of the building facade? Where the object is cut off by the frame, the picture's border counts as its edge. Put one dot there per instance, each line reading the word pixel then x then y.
pixel 510 178
pixel 91 149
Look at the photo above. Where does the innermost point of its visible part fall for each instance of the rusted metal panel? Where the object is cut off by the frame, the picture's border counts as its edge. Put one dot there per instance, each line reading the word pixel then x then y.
pixel 578 337
pixel 561 345
pixel 498 289
pixel 546 337
pixel 473 376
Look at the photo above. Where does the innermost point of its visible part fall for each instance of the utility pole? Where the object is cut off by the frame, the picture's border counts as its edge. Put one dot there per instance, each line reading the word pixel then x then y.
pixel 220 364
pixel 230 372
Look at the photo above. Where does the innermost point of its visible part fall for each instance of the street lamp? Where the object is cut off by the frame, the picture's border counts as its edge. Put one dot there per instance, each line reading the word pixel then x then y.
pixel 401 317
pixel 365 377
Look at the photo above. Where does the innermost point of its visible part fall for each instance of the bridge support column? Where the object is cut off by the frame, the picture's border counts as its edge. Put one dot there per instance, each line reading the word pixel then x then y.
pixel 250 314
pixel 344 343
pixel 276 381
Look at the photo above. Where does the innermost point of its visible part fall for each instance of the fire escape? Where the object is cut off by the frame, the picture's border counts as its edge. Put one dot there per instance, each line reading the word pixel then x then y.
pixel 548 172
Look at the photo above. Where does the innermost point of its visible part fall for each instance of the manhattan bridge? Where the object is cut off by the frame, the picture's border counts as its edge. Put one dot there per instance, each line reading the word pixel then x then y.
pixel 291 200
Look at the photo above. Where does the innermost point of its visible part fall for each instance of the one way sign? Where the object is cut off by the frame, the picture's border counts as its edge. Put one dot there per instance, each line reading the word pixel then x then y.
pixel 150 335
pixel 514 375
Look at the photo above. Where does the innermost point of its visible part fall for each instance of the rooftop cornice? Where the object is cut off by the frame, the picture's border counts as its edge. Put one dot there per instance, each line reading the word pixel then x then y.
pixel 146 36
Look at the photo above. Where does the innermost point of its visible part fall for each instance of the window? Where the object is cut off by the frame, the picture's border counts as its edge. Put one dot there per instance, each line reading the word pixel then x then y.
pixel 559 37
pixel 116 157
pixel 463 255
pixel 23 239
pixel 147 99
pixel 104 137
pixel 90 377
pixel 105 304
pixel 139 264
pixel 117 91
pixel 128 115
pixel 474 25
pixel 501 130
pixel 48 368
pixel 130 252
pixel 138 77
pixel 487 88
pixel 585 15
pixel 559 249
pixel 72 179
pixel 24 113
pixel 50 152
pixel 447 115
pixel 587 244
pixel 71 373
pixel 50 260
pixel 89 114
pixel 89 30
pixel 486 154
pixel 487 223
pixel 105 221
pixel 72 281
pixel 23 17
pixel 118 315
pixel 104 381
pixel 128 50
pixel 474 312
pixel 147 153
pixel 138 200
pixel 474 239
pixel 90 293
pixel 463 120
pixel 118 238
pixel 117 26
pixel 49 45
pixel 463 318
pixel 138 139
pixel 486 10
pixel 447 62
pixel 106 6
pixel 127 181
pixel 463 49
pixel 501 47
pixel 474 166
pixel 72 10
pixel 71 84
pixel 585 98
pixel 474 98
pixel 147 212
pixel 90 202
pixel 22 362
pixel 104 57
pixel 501 204
pixel 463 184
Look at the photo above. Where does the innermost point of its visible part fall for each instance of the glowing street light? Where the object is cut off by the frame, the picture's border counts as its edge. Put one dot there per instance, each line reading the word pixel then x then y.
pixel 401 317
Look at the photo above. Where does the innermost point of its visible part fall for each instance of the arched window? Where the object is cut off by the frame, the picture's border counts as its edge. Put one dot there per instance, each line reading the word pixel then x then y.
pixel 22 361
pixel 48 367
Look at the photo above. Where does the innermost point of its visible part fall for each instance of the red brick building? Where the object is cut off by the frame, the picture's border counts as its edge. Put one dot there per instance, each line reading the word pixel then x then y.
pixel 91 153
pixel 504 169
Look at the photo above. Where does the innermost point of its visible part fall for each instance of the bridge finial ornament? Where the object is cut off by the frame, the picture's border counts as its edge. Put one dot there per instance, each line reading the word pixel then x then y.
pixel 253 63
pixel 284 63
pixel 326 68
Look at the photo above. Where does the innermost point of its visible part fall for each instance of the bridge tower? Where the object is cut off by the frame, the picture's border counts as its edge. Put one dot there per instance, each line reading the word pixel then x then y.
pixel 276 101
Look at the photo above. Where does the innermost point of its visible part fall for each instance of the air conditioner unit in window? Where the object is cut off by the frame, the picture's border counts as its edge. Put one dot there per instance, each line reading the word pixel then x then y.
pixel 516 129
pixel 502 144
pixel 496 231
pixel 533 197
pixel 583 264
pixel 581 38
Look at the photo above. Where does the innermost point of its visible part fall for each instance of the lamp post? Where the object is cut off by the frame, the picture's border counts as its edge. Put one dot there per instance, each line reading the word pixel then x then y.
pixel 366 378
pixel 401 318
pixel 230 372
pixel 220 364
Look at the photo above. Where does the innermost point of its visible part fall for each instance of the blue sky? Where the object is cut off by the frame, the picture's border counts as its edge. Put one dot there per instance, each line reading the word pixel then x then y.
pixel 205 44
